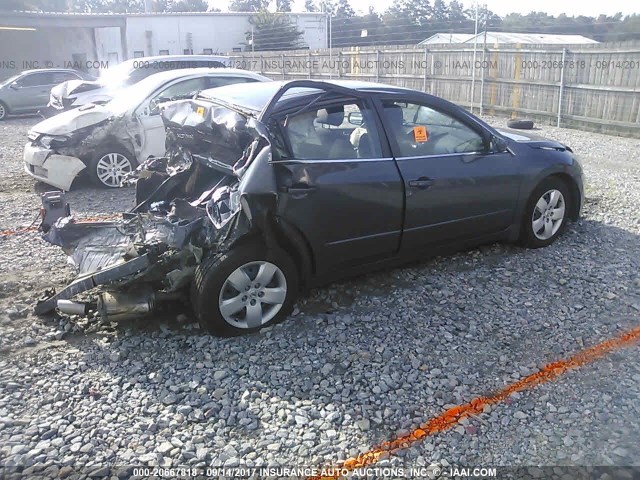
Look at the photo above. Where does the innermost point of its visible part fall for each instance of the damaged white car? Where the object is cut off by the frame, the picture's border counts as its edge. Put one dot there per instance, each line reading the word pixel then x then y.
pixel 75 93
pixel 108 141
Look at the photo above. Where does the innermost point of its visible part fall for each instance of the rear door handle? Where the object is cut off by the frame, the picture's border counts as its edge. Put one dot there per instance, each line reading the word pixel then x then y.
pixel 422 182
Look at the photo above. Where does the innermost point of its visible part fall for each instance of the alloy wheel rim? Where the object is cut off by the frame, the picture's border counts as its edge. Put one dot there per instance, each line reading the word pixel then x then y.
pixel 548 214
pixel 252 294
pixel 111 169
pixel 3 112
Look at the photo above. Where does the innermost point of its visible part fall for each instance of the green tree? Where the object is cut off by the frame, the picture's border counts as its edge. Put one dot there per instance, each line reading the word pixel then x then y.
pixel 310 6
pixel 248 5
pixel 188 6
pixel 455 11
pixel 344 9
pixel 629 28
pixel 440 11
pixel 273 31
pixel 328 6
pixel 283 5
pixel 417 13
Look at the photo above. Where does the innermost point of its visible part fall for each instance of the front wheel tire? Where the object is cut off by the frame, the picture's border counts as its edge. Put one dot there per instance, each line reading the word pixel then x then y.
pixel 546 213
pixel 244 290
pixel 4 111
pixel 109 165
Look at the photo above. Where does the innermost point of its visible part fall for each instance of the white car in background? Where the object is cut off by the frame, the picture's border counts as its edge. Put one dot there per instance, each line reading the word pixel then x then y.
pixel 75 93
pixel 108 141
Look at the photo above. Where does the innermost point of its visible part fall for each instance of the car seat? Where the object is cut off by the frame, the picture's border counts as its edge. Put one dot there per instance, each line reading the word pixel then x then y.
pixel 337 144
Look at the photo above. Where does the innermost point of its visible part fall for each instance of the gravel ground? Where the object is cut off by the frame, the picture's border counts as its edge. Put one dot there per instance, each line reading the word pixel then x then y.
pixel 359 361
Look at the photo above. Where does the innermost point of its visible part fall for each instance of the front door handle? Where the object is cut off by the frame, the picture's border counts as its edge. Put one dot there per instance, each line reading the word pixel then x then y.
pixel 422 182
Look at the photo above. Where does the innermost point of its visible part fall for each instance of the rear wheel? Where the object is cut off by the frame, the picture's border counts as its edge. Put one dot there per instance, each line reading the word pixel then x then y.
pixel 244 290
pixel 545 216
pixel 109 165
pixel 3 111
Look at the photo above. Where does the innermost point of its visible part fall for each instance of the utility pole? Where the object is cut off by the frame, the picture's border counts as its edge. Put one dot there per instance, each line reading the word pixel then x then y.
pixel 473 67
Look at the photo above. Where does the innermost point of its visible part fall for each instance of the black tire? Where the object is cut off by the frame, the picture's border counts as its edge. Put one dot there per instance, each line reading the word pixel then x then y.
pixel 210 278
pixel 102 152
pixel 520 124
pixel 4 111
pixel 528 237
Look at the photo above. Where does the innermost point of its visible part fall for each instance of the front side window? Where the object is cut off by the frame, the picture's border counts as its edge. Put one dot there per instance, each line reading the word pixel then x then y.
pixel 181 89
pixel 419 130
pixel 333 132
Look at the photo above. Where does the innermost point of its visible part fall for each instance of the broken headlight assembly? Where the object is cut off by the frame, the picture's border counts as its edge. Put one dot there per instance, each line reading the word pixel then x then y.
pixel 47 140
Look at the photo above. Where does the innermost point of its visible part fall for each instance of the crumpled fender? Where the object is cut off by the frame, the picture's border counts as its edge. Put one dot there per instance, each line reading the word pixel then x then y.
pixel 62 170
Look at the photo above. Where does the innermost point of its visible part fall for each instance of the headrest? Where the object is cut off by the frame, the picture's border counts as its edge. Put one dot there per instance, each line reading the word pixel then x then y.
pixel 301 124
pixel 331 116
pixel 393 113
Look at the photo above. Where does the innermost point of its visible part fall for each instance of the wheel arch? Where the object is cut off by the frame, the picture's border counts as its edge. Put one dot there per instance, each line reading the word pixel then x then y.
pixel 530 186
pixel 574 190
pixel 110 142
pixel 284 235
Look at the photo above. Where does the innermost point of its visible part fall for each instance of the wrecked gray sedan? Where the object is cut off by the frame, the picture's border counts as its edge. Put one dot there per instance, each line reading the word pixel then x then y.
pixel 279 186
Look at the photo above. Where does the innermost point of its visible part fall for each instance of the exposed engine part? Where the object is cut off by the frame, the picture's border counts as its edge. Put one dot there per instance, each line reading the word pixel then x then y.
pixel 73 308
pixel 118 306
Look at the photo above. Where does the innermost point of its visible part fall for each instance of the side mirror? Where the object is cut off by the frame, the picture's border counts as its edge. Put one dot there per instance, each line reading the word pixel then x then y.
pixel 15 86
pixel 499 144
pixel 355 118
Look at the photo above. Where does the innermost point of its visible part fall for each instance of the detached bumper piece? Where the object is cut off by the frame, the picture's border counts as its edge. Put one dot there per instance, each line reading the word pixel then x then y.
pixel 103 277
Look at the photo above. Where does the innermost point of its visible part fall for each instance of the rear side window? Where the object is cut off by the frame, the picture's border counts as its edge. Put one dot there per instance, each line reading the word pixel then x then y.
pixel 36 79
pixel 59 77
pixel 333 132
pixel 419 130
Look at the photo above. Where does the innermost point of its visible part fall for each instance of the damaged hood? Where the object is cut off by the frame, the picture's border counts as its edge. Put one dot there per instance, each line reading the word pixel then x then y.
pixel 70 87
pixel 72 120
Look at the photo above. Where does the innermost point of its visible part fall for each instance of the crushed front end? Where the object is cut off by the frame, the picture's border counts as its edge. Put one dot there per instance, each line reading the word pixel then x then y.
pixel 195 202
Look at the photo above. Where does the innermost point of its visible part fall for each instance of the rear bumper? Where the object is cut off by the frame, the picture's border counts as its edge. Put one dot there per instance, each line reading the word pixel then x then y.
pixel 60 104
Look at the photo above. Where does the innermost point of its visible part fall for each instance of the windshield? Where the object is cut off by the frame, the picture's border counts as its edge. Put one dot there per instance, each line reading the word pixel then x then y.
pixel 131 97
pixel 9 80
pixel 117 76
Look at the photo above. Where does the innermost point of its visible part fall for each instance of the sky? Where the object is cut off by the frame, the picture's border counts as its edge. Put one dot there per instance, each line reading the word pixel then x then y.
pixel 589 8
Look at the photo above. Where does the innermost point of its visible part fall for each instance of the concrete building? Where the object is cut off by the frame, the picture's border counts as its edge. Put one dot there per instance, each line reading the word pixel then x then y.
pixel 37 40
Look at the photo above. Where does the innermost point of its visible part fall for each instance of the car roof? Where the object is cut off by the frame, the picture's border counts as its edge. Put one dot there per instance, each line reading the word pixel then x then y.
pixel 168 75
pixel 45 70
pixel 178 58
pixel 258 95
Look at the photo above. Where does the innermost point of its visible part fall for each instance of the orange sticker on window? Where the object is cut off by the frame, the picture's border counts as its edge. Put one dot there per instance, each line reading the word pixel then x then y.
pixel 200 111
pixel 420 134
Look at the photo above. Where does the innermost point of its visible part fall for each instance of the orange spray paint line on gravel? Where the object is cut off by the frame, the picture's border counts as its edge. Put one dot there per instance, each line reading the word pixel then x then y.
pixel 452 416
